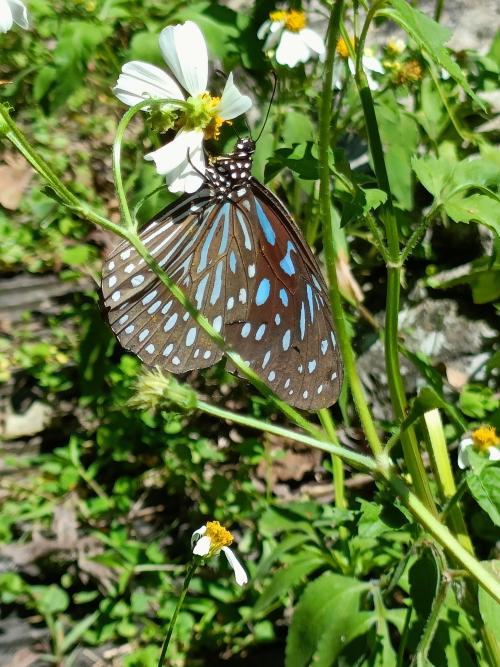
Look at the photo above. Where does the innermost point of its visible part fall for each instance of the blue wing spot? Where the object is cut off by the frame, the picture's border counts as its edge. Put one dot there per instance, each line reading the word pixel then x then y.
pixel 260 332
pixel 200 291
pixel 277 319
pixel 286 340
pixel 316 284
pixel 263 292
pixel 265 224
pixel 170 323
pixel 168 349
pixel 284 296
pixel 214 297
pixel 191 336
pixel 286 263
pixel 311 365
pixel 302 321
pixel 324 346
pixel 267 356
pixel 311 301
pixel 271 376
pixel 232 261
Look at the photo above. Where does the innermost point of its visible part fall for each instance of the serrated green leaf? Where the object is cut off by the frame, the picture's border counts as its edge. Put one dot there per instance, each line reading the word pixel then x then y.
pixel 485 488
pixel 475 208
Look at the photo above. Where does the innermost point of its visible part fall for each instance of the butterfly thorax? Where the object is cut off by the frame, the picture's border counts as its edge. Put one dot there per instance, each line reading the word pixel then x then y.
pixel 231 172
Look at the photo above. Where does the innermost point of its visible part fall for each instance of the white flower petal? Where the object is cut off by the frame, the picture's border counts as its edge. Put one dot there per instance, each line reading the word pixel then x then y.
pixel 463 458
pixel 13 11
pixel 184 49
pixel 232 102
pixel 313 40
pixel 373 64
pixel 197 534
pixel 139 81
pixel 202 547
pixel 292 50
pixel 264 28
pixel 181 161
pixel 494 454
pixel 239 572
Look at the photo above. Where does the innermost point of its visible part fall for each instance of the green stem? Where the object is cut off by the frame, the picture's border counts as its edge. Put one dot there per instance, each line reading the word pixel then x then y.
pixel 438 9
pixel 396 387
pixel 168 636
pixel 337 466
pixel 420 658
pixel 326 217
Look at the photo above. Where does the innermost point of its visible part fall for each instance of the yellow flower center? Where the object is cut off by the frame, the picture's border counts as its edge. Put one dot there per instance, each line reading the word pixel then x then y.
pixel 293 19
pixel 201 114
pixel 219 536
pixel 342 48
pixel 484 438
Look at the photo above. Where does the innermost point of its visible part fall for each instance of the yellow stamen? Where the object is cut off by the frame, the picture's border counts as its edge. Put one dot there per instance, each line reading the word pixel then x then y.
pixel 219 536
pixel 342 48
pixel 293 19
pixel 409 72
pixel 212 130
pixel 485 437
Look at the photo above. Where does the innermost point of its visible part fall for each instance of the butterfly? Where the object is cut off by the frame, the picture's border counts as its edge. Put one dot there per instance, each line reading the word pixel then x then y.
pixel 235 251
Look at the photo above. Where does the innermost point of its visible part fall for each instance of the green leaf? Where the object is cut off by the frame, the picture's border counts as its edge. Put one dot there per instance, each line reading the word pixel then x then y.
pixel 50 600
pixel 286 578
pixel 489 608
pixel 400 137
pixel 301 158
pixel 484 484
pixel 477 208
pixel 431 37
pixel 329 606
pixel 477 401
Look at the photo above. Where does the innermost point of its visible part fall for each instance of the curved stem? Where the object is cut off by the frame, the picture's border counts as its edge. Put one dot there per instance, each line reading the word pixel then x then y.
pixel 326 218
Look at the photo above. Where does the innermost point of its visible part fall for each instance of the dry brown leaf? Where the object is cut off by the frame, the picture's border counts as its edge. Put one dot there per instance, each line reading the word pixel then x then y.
pixel 15 176
pixel 23 658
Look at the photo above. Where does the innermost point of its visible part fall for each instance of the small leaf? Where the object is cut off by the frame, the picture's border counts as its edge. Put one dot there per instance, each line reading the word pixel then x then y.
pixel 484 484
pixel 286 578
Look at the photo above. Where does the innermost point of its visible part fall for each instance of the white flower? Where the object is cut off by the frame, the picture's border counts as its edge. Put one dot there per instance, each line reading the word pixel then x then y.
pixel 196 117
pixel 211 539
pixel 13 11
pixel 369 62
pixel 484 440
pixel 296 43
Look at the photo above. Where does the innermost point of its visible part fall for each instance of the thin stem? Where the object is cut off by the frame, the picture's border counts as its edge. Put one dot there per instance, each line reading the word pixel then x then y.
pixel 396 387
pixel 168 636
pixel 438 10
pixel 326 217
pixel 337 466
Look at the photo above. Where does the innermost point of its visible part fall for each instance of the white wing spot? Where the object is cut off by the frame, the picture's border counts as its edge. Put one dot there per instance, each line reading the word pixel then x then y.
pixel 144 334
pixel 300 368
pixel 166 307
pixel 260 332
pixel 168 349
pixel 125 254
pixel 334 375
pixel 170 322
pixel 129 268
pixel 277 319
pixel 191 336
pixel 320 389
pixel 286 340
pixel 123 319
pixel 137 280
pixel 251 270
pixel 130 329
pixel 196 353
pixel 217 323
pixel 305 394
pixel 245 329
pixel 271 376
pixel 230 303
pixel 112 281
pixel 152 309
pixel 149 297
pixel 150 348
pixel 111 266
pixel 207 354
pixel 332 336
pixel 267 356
pixel 311 365
pixel 242 297
pixel 287 383
pixel 176 361
pixel 324 346
pixel 185 317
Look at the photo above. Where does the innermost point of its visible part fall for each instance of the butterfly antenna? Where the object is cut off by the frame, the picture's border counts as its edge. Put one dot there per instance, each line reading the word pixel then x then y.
pixel 275 85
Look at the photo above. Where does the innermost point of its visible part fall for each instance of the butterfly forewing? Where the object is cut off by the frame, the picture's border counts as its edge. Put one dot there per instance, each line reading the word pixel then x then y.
pixel 288 336
pixel 236 253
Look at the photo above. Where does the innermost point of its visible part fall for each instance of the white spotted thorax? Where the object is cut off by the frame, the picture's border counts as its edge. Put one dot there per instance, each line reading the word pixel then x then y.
pixel 240 259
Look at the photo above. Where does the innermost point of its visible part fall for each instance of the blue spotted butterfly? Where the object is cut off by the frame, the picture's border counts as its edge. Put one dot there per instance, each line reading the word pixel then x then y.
pixel 239 257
